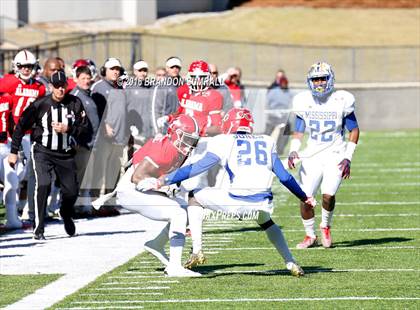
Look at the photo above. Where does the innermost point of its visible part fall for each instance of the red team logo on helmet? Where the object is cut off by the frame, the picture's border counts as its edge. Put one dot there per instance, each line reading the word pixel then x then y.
pixel 198 77
pixel 184 133
pixel 238 120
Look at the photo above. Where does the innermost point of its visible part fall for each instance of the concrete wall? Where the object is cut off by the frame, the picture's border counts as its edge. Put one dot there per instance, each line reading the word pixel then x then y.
pixel 377 108
pixel 8 8
pixel 392 108
pixel 73 10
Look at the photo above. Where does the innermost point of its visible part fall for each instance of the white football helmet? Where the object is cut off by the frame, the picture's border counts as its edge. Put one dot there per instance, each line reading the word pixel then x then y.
pixel 25 59
pixel 321 70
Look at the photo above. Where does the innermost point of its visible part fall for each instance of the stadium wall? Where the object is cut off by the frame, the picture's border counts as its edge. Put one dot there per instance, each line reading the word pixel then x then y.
pixel 377 107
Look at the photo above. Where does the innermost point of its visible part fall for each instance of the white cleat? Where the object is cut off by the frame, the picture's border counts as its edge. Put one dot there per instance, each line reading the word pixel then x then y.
pixel 179 271
pixel 159 253
pixel 295 269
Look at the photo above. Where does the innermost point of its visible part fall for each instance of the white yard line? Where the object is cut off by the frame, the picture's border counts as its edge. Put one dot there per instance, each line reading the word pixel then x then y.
pixel 111 307
pixel 357 215
pixel 131 288
pixel 142 282
pixel 318 270
pixel 101 245
pixel 233 300
pixel 380 184
pixel 121 294
pixel 378 203
pixel 348 248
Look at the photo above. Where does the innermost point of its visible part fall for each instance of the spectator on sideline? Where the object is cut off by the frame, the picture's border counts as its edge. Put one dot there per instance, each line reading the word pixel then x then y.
pixel 279 98
pixel 83 80
pixel 164 97
pixel 160 74
pixel 232 79
pixel 104 147
pixel 217 84
pixel 51 65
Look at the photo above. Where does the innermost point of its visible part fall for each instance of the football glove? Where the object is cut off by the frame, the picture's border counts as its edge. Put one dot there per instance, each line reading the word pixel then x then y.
pixel 344 166
pixel 161 121
pixel 148 184
pixel 293 158
pixel 310 201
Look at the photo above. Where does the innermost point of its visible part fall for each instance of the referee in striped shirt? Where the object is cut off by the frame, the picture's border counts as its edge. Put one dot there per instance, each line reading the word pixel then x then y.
pixel 57 121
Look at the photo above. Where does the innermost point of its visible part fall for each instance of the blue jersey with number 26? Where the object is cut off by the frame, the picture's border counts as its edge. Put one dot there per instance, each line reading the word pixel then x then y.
pixel 248 160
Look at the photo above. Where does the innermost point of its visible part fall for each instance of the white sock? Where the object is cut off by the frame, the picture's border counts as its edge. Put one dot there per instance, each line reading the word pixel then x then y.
pixel 309 227
pixel 195 220
pixel 326 218
pixel 275 235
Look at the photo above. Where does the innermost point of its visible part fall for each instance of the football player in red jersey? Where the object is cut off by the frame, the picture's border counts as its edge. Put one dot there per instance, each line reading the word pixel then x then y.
pixel 23 88
pixel 134 192
pixel 8 174
pixel 197 99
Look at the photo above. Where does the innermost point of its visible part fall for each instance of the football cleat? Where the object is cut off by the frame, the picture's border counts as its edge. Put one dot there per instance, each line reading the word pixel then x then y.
pixel 38 236
pixel 308 242
pixel 179 271
pixel 295 269
pixel 326 237
pixel 195 259
pixel 157 252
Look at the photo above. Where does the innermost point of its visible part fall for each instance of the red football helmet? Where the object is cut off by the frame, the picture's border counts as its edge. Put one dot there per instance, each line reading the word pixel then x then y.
pixel 184 132
pixel 78 63
pixel 198 76
pixel 237 119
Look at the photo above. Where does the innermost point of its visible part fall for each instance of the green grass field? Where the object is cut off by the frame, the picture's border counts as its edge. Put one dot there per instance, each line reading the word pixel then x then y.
pixel 14 287
pixel 374 264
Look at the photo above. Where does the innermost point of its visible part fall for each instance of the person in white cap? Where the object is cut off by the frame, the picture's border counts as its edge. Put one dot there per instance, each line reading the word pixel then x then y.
pixel 141 69
pixel 108 151
pixel 164 98
pixel 173 67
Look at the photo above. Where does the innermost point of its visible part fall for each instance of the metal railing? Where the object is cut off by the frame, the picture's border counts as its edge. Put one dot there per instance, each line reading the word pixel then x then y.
pixel 258 61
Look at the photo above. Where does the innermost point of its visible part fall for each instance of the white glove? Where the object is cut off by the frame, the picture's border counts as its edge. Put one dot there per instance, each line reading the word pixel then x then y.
pixel 161 121
pixel 311 202
pixel 148 184
pixel 134 131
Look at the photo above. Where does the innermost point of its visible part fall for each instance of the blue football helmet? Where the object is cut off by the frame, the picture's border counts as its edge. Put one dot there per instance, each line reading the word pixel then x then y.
pixel 319 70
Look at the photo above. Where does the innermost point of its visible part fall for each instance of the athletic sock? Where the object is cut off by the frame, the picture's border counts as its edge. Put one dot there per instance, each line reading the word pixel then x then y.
pixel 309 227
pixel 275 235
pixel 326 218
pixel 195 219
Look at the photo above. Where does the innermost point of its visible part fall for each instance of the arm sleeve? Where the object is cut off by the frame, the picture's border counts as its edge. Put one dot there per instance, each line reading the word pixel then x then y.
pixel 25 123
pixel 286 178
pixel 299 124
pixel 181 174
pixel 350 122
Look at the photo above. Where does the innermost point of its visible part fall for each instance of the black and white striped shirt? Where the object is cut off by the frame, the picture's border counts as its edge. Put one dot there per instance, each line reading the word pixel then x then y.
pixel 39 117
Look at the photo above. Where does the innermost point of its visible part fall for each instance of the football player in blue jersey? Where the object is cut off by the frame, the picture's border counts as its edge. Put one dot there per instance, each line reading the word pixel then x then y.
pixel 250 161
pixel 326 113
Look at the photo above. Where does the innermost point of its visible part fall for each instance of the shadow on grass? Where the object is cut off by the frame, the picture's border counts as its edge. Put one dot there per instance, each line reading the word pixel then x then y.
pixel 224 231
pixel 213 271
pixel 351 243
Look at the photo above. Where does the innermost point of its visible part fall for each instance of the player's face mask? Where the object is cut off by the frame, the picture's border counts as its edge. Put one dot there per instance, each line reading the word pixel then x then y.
pixel 320 79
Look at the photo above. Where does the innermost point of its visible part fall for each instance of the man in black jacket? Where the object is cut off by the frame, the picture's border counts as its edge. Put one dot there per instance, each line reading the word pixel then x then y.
pixel 57 121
